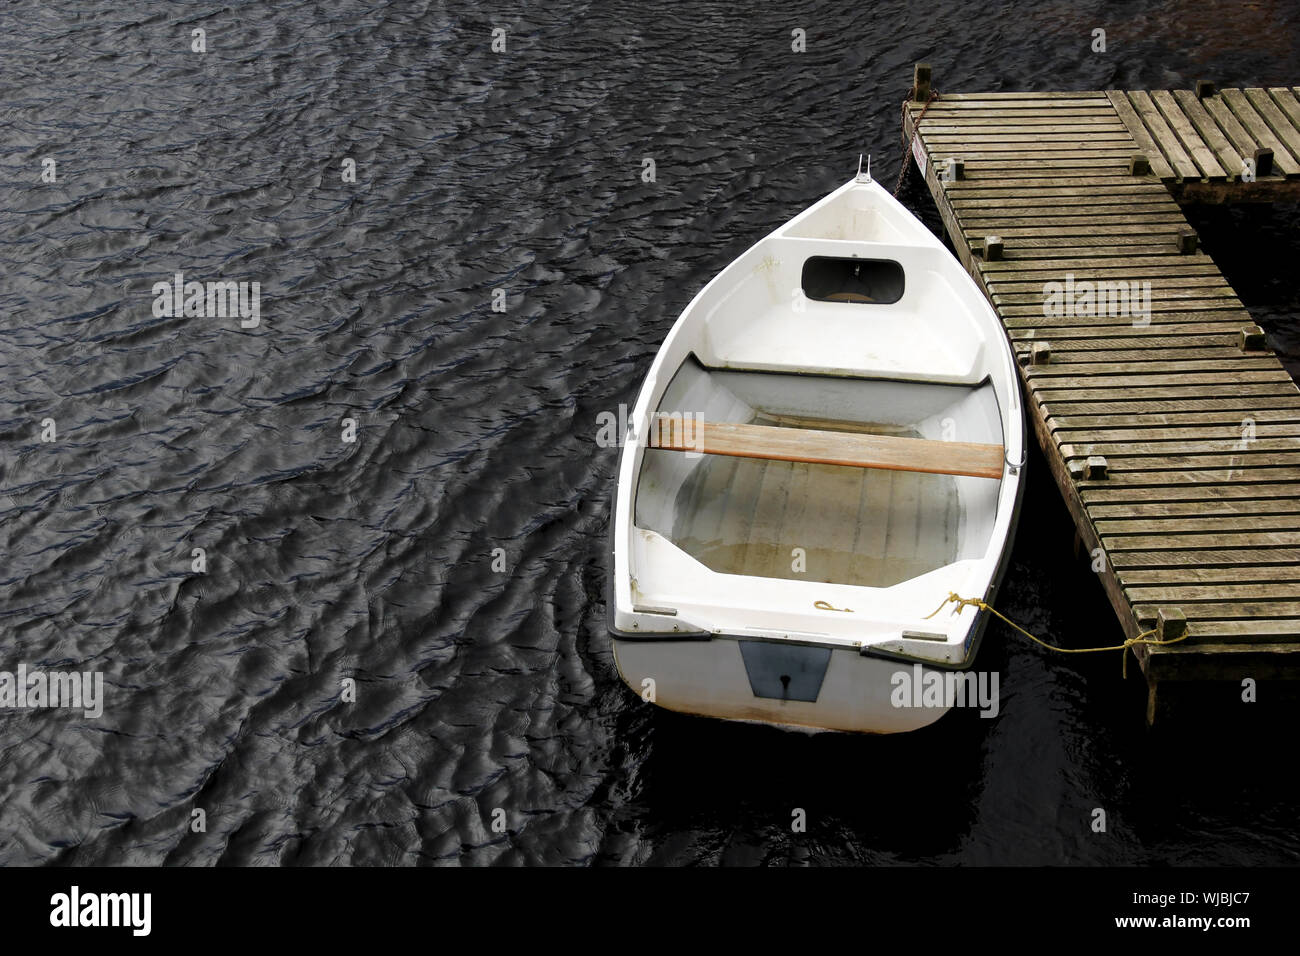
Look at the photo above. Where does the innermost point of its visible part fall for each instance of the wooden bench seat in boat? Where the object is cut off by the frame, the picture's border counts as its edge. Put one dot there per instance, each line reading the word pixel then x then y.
pixel 815 446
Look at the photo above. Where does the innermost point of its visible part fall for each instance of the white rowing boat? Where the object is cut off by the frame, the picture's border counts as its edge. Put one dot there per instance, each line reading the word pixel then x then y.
pixel 829 442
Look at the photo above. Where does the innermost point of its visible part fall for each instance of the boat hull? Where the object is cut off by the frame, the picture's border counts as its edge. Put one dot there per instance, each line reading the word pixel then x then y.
pixel 787 578
pixel 714 678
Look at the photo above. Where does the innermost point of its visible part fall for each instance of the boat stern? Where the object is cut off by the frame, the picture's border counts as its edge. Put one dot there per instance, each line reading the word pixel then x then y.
pixel 805 686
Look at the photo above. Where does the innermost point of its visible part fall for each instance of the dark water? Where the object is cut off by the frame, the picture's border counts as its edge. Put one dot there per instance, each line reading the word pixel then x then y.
pixel 373 560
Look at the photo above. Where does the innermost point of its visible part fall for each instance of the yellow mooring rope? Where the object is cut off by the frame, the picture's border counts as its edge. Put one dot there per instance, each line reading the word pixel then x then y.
pixel 1143 638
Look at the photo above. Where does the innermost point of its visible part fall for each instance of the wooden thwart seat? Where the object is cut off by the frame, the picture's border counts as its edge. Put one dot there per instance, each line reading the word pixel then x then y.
pixel 828 448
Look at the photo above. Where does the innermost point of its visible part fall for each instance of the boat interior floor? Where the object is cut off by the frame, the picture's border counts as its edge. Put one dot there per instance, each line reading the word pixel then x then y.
pixel 860 526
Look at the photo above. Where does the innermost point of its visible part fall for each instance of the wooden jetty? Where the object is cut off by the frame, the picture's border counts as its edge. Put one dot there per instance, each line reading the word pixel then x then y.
pixel 1174 435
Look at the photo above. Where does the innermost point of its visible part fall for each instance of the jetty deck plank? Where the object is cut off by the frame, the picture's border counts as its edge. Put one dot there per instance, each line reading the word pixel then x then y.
pixel 1258 127
pixel 1202 148
pixel 1208 130
pixel 1199 508
pixel 1164 136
